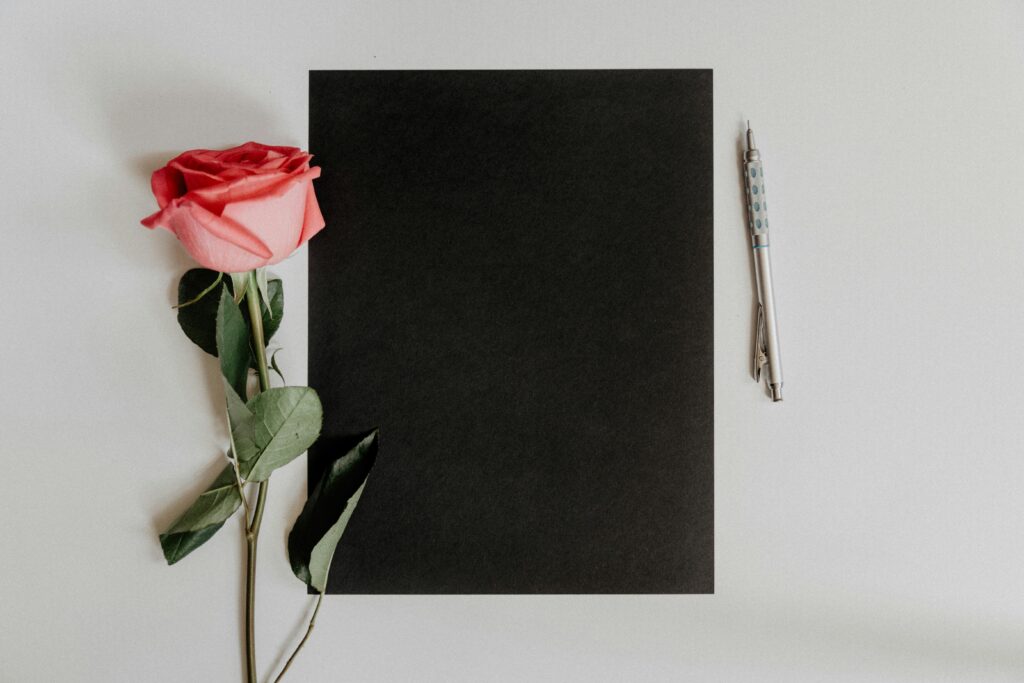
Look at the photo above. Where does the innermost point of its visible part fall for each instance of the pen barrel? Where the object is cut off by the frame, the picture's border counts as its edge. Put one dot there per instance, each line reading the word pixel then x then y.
pixel 766 295
pixel 757 213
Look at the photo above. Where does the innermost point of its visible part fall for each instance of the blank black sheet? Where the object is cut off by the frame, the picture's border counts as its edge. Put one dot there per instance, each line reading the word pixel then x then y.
pixel 515 286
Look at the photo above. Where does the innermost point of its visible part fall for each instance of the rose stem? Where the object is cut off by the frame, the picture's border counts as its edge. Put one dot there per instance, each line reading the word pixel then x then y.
pixel 309 630
pixel 252 532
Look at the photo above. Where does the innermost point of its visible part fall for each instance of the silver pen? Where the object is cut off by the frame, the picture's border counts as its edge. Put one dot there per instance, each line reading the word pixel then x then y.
pixel 766 336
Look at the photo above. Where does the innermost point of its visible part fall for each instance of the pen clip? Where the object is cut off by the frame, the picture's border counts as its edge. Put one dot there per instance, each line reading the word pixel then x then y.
pixel 760 348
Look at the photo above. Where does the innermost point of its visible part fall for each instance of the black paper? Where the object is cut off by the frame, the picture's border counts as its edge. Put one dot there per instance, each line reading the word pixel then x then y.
pixel 515 285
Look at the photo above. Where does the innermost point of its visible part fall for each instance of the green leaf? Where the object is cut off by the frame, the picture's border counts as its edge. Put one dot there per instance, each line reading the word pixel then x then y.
pixel 198 299
pixel 273 308
pixel 177 546
pixel 261 285
pixel 314 538
pixel 238 412
pixel 233 343
pixel 201 294
pixel 203 518
pixel 275 368
pixel 239 283
pixel 197 307
pixel 284 422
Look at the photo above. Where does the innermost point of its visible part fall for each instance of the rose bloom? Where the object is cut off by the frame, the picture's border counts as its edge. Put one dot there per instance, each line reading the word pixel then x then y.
pixel 238 209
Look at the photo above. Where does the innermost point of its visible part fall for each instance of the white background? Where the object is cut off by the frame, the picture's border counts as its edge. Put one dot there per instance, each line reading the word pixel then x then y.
pixel 869 528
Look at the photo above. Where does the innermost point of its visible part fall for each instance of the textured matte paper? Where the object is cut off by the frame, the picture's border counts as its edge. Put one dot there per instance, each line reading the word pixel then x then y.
pixel 515 285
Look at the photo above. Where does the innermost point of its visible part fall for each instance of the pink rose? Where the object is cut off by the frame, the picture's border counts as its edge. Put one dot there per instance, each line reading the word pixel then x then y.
pixel 238 209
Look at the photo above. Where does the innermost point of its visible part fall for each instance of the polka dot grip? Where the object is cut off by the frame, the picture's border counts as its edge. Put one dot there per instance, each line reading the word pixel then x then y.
pixel 757 207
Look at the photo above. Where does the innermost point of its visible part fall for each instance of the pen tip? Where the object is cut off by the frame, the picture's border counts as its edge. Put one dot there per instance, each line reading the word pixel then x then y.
pixel 748 124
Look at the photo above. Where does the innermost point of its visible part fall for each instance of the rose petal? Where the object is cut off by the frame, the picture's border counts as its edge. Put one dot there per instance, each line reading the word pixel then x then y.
pixel 280 149
pixel 276 217
pixel 210 249
pixel 299 162
pixel 167 183
pixel 227 229
pixel 313 221
pixel 155 220
pixel 239 208
pixel 216 197
pixel 195 177
pixel 255 154
pixel 203 168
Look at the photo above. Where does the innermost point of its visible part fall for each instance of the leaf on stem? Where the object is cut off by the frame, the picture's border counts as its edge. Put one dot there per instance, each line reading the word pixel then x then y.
pixel 233 343
pixel 261 285
pixel 197 310
pixel 314 538
pixel 239 283
pixel 283 423
pixel 203 518
pixel 272 309
pixel 198 296
pixel 238 412
pixel 275 368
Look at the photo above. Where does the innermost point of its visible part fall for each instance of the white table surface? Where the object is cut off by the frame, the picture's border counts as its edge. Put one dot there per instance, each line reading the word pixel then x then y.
pixel 869 528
